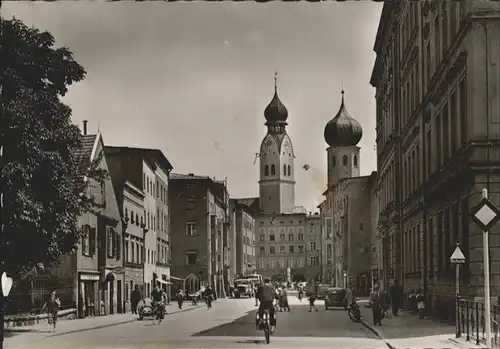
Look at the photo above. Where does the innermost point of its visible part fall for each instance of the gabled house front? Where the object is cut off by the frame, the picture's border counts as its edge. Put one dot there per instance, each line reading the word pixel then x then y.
pixel 91 278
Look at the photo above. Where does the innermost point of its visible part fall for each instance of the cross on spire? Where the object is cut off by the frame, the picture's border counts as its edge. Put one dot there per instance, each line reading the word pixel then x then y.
pixel 275 81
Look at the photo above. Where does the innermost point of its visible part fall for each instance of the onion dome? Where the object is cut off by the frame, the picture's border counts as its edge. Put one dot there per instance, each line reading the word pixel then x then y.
pixel 343 130
pixel 276 111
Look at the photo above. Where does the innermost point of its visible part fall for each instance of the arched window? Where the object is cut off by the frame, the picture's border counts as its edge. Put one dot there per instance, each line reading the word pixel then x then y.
pixel 355 160
pixel 334 161
pixel 131 216
pixel 284 170
pixel 266 170
pixel 289 170
pixel 273 170
pixel 344 160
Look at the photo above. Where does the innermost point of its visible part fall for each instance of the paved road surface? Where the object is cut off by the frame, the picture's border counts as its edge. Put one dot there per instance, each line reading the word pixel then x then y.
pixel 229 324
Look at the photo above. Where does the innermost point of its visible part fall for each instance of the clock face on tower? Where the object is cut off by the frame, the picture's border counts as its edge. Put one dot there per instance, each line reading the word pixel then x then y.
pixel 288 147
pixel 268 143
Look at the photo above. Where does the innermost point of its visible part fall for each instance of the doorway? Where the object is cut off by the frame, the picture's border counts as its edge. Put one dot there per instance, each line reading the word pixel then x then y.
pixel 119 302
pixel 111 297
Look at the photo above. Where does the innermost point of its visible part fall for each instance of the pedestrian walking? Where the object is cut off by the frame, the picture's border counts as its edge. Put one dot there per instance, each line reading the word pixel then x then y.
pixel 135 298
pixel 395 291
pixel 420 299
pixel 284 300
pixel 52 306
pixel 312 293
pixel 376 305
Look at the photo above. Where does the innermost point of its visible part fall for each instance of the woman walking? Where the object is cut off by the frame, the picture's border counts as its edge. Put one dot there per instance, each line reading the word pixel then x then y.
pixel 52 306
pixel 312 294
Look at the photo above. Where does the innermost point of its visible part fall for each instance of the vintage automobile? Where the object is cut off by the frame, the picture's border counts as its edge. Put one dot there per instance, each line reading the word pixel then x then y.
pixel 323 291
pixel 243 289
pixel 336 297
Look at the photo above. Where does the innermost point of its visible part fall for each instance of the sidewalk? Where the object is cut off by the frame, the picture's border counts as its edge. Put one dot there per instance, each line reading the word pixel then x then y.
pixel 41 331
pixel 408 331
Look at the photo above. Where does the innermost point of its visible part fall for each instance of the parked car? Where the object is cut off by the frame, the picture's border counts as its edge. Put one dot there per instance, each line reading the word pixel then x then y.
pixel 336 297
pixel 322 290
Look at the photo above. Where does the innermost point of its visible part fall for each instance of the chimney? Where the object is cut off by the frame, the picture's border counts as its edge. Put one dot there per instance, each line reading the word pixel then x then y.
pixel 85 127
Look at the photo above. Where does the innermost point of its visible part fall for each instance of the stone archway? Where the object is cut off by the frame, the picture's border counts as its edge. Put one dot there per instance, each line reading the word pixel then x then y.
pixel 192 284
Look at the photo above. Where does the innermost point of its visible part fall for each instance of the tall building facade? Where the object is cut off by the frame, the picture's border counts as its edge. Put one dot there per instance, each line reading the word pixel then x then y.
pixel 199 231
pixel 277 182
pixel 245 239
pixel 281 228
pixel 436 77
pixel 140 167
pixel 347 208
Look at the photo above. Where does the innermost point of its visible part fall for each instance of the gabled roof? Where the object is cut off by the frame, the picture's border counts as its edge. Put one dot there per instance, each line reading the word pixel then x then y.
pixel 148 154
pixel 86 152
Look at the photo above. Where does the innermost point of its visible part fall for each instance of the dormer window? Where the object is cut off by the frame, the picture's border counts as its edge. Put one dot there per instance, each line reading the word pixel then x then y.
pixel 284 170
pixel 355 161
pixel 344 160
pixel 266 170
pixel 273 170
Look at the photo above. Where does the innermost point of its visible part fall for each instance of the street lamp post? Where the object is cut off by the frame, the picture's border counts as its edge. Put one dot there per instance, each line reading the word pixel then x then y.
pixel 6 283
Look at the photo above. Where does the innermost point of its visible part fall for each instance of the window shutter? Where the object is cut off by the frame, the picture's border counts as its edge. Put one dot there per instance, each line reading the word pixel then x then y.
pixel 110 243
pixel 93 239
pixel 118 246
pixel 115 243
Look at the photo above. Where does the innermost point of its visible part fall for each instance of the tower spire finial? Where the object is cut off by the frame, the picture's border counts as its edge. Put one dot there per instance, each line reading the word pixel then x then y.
pixel 342 92
pixel 275 81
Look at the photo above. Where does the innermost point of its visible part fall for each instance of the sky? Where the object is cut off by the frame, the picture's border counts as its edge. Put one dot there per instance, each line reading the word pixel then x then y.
pixel 193 79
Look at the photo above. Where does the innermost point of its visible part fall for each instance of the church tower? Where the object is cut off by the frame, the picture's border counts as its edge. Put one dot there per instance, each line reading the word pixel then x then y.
pixel 342 134
pixel 277 180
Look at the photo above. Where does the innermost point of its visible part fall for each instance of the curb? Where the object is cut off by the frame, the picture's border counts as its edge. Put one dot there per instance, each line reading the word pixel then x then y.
pixel 116 323
pixel 377 333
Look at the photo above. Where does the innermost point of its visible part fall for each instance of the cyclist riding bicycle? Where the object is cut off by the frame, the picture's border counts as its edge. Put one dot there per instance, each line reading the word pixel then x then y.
pixel 158 298
pixel 265 295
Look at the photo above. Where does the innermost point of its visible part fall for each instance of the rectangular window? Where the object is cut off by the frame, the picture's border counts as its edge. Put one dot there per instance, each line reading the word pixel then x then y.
pixel 312 246
pixel 272 249
pixel 429 153
pixel 86 240
pixel 291 248
pixel 262 250
pixel 282 249
pixel 262 237
pixel 301 248
pixel 437 43
pixel 439 235
pixel 446 133
pixel 463 111
pixel 438 136
pixel 282 236
pixel 271 237
pixel 453 122
pixel 190 229
pixel 290 237
pixel 110 242
pixel 191 258
pixel 118 247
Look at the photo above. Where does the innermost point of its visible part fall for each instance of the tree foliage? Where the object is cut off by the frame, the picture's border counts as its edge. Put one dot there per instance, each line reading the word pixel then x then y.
pixel 43 181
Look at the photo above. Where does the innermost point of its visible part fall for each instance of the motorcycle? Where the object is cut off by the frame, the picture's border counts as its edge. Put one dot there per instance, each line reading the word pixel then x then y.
pixel 354 312
pixel 264 324
pixel 147 308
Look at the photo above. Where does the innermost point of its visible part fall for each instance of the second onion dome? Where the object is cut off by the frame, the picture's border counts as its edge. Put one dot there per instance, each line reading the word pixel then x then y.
pixel 343 130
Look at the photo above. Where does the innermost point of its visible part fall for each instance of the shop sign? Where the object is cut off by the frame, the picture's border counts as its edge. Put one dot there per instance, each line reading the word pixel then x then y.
pixel 89 277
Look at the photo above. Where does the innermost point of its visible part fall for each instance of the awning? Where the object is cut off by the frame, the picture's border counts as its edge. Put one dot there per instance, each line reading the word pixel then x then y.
pixel 163 282
pixel 175 278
